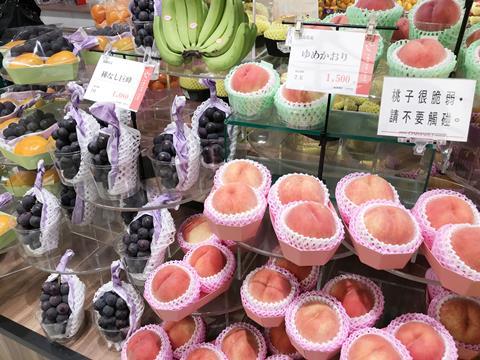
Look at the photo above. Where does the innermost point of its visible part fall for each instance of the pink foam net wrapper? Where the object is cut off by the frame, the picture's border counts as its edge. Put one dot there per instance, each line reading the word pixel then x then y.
pixel 279 357
pixel 260 340
pixel 370 318
pixel 185 245
pixel 420 212
pixel 432 290
pixel 273 350
pixel 190 296
pixel 303 250
pixel 275 205
pixel 307 348
pixel 197 337
pixel 207 346
pixel 450 352
pixel 236 227
pixel 443 251
pixel 376 253
pixel 213 283
pixel 267 314
pixel 166 349
pixel 264 187
pixel 397 345
pixel 465 351
pixel 309 282
pixel 345 205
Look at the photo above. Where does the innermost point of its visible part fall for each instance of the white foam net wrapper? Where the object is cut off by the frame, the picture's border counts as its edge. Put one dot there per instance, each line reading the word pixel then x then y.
pixel 370 318
pixel 88 194
pixel 76 300
pixel 268 309
pixel 444 252
pixel 133 299
pixel 126 178
pixel 197 337
pixel 165 352
pixel 450 352
pixel 50 223
pixel 261 345
pixel 397 345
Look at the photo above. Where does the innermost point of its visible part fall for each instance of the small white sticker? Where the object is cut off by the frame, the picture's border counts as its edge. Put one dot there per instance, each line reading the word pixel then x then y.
pixel 193 26
pixel 167 18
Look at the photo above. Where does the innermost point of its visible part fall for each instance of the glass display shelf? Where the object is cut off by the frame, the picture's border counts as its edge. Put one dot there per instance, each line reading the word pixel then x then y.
pixel 265 243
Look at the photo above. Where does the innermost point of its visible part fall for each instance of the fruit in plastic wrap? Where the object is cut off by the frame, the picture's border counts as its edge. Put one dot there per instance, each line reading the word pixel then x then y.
pixel 67 147
pixel 374 347
pixel 62 57
pixel 211 130
pixel 25 60
pixel 44 46
pixel 261 21
pixel 422 340
pixel 123 44
pixel 249 78
pixel 143 34
pixel 437 15
pixel 98 14
pixel 142 10
pixel 240 344
pixel 31 145
pixel 170 283
pixel 144 345
pixel 369 107
pixel 29 213
pixel 276 31
pixel 234 198
pixel 98 148
pixel 317 322
pixel 34 122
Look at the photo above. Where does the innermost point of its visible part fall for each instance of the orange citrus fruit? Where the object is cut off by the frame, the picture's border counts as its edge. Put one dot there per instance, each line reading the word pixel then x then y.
pixel 7 222
pixel 98 13
pixel 62 57
pixel 31 145
pixel 25 60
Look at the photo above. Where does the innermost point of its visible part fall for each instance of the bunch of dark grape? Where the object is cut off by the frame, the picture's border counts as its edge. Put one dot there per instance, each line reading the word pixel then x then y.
pixel 68 150
pixel 68 198
pixel 164 152
pixel 34 122
pixel 143 34
pixel 142 10
pixel 31 32
pixel 29 214
pixel 115 29
pixel 98 148
pixel 114 315
pixel 20 88
pixel 44 45
pixel 211 130
pixel 138 243
pixel 6 108
pixel 54 304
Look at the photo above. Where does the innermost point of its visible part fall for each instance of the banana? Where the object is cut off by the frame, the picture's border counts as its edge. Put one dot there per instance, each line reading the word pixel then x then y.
pixel 227 18
pixel 252 37
pixel 166 54
pixel 222 44
pixel 195 21
pixel 234 54
pixel 212 21
pixel 204 12
pixel 169 26
pixel 182 25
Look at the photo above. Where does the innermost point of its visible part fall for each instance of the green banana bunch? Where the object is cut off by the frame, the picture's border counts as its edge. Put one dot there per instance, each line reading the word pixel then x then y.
pixel 220 34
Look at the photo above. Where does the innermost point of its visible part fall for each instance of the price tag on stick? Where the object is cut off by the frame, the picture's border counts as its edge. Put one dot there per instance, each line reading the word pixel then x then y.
pixel 337 62
pixel 122 82
pixel 431 109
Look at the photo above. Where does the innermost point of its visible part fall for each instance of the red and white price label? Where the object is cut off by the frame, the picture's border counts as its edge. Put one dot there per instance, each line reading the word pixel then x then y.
pixel 122 82
pixel 337 62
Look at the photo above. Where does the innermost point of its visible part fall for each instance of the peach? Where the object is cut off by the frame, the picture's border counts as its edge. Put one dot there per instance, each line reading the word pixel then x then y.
pixel 466 243
pixel 472 38
pixel 144 345
pixel 369 187
pixel 197 230
pixel 339 19
pixel 242 172
pixel 300 272
pixel 403 30
pixel 280 341
pixel 437 15
pixel 356 297
pixel 373 347
pixel 207 260
pixel 300 188
pixel 240 344
pixel 170 283
pixel 461 317
pixel 202 354
pixel 300 96
pixel 179 332
pixel 448 210
pixel 389 224
pixel 422 340
pixel 312 220
pixel 317 322
pixel 422 53
pixel 249 78
pixel 375 4
pixel 234 198
pixel 269 286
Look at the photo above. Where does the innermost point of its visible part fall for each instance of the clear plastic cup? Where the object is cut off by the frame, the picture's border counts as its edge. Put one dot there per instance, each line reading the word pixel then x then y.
pixel 67 165
pixel 115 336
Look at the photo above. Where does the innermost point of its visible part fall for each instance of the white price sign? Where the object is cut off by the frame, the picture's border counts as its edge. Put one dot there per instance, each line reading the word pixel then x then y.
pixel 337 62
pixel 432 109
pixel 122 82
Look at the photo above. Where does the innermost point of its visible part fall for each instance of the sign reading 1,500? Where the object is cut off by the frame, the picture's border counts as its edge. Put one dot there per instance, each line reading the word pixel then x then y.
pixel 337 78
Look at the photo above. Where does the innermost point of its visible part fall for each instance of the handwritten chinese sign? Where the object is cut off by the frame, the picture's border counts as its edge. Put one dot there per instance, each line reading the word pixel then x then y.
pixel 433 109
pixel 337 62
pixel 122 82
